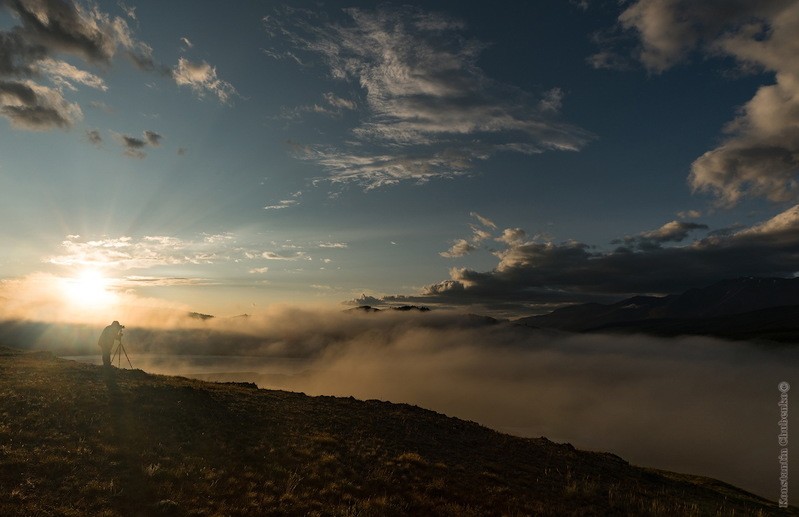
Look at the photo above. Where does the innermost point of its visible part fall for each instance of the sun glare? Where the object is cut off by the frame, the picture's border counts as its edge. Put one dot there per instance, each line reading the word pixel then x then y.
pixel 88 289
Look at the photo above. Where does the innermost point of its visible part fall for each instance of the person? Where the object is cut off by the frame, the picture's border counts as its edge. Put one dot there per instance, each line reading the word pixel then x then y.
pixel 111 333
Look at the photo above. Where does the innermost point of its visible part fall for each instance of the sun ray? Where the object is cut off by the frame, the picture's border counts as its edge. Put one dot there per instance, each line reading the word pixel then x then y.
pixel 89 289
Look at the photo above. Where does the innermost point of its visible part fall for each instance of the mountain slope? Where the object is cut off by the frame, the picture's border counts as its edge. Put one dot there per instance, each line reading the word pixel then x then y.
pixel 744 302
pixel 78 440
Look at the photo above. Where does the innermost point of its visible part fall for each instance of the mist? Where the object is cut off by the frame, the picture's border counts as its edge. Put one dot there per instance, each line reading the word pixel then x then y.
pixel 692 404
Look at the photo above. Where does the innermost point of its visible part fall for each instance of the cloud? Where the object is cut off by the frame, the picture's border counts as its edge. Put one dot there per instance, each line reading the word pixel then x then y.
pixel 128 253
pixel 30 106
pixel 93 135
pixel 333 106
pixel 760 155
pixel 186 42
pixel 286 203
pixel 338 102
pixel 134 146
pixel 333 245
pixel 425 96
pixel 64 75
pixel 259 270
pixel 150 281
pixel 689 214
pixel 153 138
pixel 284 255
pixel 483 220
pixel 372 170
pixel 363 301
pixel 533 273
pixel 460 248
pixel 202 79
pixel 463 247
pixel 552 100
pixel 674 231
pixel 67 27
pixel 46 32
pixel 129 11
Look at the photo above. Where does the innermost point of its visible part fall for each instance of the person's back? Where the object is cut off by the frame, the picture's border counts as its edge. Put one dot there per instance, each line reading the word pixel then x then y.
pixel 106 341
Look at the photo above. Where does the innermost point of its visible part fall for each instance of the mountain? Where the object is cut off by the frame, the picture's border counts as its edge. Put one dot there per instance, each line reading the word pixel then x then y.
pixel 740 308
pixel 80 440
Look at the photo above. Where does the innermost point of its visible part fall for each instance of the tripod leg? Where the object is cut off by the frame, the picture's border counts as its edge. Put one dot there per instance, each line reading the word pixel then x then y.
pixel 126 356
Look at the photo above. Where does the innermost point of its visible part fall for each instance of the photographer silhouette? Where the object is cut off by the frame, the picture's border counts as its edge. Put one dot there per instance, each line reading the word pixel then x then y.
pixel 110 335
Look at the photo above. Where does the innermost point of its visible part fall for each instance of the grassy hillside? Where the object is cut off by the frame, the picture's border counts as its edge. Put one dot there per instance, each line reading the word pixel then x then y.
pixel 78 440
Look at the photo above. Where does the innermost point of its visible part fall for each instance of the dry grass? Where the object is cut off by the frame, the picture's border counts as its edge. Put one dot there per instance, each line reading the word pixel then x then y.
pixel 76 440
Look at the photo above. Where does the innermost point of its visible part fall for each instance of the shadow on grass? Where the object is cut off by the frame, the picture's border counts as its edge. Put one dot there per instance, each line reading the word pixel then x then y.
pixel 135 494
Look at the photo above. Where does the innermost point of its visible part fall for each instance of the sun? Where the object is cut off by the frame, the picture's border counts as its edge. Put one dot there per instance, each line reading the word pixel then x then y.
pixel 88 289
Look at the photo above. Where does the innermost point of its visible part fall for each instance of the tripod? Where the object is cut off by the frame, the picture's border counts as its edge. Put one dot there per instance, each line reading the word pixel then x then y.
pixel 120 349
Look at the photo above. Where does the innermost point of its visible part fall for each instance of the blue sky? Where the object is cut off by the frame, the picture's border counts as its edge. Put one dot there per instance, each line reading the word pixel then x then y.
pixel 498 158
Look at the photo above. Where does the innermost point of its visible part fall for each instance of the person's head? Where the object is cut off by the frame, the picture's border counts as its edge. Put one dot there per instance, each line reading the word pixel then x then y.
pixel 117 325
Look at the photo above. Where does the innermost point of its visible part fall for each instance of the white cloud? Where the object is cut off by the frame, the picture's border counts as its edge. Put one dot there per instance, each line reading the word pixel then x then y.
pixel 284 255
pixel 338 102
pixel 484 220
pixel 202 79
pixel 760 156
pixel 64 74
pixel 460 248
pixel 127 253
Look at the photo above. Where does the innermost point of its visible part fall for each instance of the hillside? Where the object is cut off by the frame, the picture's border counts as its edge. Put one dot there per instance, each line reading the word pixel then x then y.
pixel 77 440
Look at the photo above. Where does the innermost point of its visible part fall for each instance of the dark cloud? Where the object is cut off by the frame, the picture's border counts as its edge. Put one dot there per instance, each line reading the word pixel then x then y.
pixel 134 146
pixel 153 138
pixel 93 135
pixel 674 231
pixel 533 272
pixel 66 27
pixel 32 50
pixel 17 54
pixel 30 106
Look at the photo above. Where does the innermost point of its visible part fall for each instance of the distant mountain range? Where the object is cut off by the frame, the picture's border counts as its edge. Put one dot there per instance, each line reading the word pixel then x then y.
pixel 742 308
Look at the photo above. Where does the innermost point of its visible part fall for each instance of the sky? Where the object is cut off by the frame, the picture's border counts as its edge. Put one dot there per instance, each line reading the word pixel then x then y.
pixel 496 158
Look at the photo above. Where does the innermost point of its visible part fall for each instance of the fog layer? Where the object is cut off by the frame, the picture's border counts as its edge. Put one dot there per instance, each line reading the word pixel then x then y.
pixel 694 405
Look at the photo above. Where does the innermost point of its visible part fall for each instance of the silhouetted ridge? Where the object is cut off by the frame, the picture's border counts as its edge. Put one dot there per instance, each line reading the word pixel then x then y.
pixel 701 310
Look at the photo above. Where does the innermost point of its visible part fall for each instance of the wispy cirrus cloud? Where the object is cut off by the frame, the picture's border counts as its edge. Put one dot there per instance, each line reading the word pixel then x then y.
pixel 293 200
pixel 128 253
pixel 759 157
pixel 430 111
pixel 480 233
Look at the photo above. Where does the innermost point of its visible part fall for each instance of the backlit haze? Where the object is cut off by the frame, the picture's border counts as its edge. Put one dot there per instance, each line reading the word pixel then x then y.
pixel 290 160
